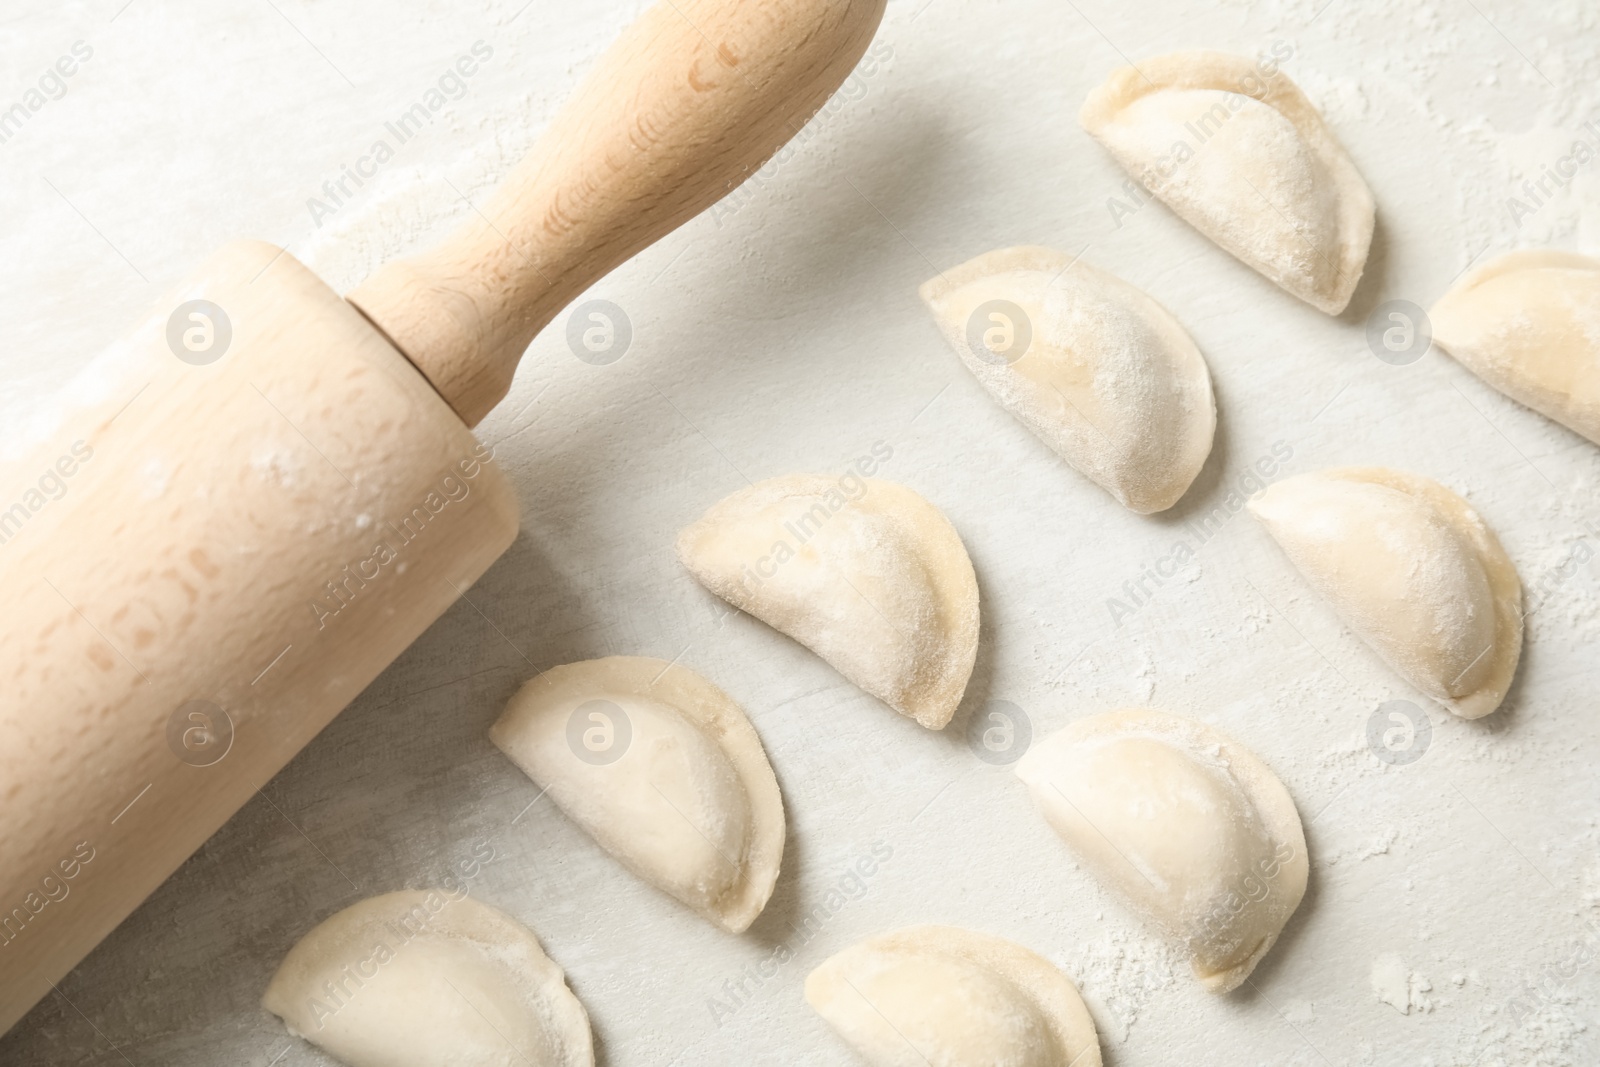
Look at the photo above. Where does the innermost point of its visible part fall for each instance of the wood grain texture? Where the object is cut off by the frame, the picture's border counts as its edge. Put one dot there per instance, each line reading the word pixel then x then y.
pixel 220 543
pixel 690 102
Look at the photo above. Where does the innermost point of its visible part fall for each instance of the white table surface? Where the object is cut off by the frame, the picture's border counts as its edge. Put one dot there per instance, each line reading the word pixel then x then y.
pixel 787 336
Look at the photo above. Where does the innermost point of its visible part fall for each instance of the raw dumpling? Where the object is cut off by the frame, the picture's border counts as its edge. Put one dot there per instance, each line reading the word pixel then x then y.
pixel 419 979
pixel 1529 325
pixel 1095 368
pixel 1247 161
pixel 865 573
pixel 1185 823
pixel 662 769
pixel 937 996
pixel 1410 567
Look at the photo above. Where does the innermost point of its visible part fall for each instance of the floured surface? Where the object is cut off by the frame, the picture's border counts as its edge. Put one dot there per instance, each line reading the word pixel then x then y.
pixel 782 333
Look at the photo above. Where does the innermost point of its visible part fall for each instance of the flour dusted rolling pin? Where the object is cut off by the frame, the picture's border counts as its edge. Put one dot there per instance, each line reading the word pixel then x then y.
pixel 265 502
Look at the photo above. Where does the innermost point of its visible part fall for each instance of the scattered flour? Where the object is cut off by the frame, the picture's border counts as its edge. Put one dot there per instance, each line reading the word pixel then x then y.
pixel 1118 974
pixel 1375 845
pixel 1398 986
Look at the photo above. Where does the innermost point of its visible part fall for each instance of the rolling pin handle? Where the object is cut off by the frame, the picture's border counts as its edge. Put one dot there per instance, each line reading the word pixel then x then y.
pixel 693 99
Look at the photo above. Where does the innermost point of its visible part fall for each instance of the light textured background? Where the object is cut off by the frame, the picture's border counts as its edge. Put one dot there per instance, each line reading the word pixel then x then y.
pixel 787 336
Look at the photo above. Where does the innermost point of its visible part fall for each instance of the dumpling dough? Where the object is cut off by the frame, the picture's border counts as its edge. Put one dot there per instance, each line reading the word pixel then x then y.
pixel 689 802
pixel 1185 823
pixel 1110 381
pixel 1245 160
pixel 419 979
pixel 868 575
pixel 1529 325
pixel 1410 567
pixel 937 996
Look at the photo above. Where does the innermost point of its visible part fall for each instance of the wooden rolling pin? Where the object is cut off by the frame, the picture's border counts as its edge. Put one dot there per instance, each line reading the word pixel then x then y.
pixel 264 503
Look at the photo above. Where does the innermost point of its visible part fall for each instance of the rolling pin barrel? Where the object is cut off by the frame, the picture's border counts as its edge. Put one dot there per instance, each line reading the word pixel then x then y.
pixel 263 503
